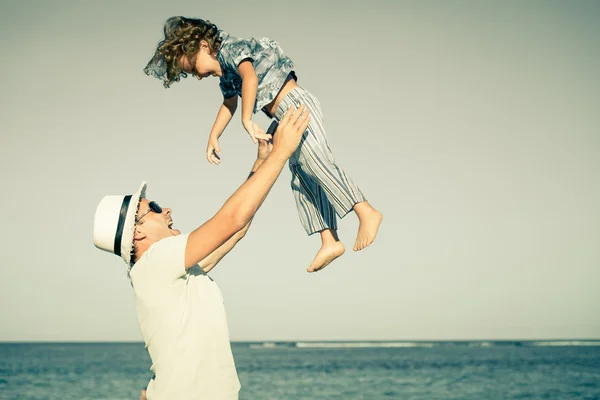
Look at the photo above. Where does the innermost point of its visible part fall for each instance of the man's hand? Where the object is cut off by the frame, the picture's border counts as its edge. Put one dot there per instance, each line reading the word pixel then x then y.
pixel 256 133
pixel 264 148
pixel 213 153
pixel 290 131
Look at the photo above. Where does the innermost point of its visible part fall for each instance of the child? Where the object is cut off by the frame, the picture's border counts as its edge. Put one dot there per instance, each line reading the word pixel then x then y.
pixel 260 73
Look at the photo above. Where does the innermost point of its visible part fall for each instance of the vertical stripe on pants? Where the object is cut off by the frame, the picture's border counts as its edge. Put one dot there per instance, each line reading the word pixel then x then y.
pixel 321 188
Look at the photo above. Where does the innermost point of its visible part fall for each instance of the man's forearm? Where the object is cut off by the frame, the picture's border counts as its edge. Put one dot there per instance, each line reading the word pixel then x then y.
pixel 243 231
pixel 215 257
pixel 257 164
pixel 244 203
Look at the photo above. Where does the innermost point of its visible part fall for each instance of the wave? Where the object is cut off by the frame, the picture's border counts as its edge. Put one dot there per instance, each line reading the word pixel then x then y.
pixel 418 344
pixel 565 343
pixel 480 344
pixel 331 345
pixel 271 345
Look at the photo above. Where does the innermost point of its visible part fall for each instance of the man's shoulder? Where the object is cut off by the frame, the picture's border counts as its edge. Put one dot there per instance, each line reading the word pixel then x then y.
pixel 169 249
pixel 171 243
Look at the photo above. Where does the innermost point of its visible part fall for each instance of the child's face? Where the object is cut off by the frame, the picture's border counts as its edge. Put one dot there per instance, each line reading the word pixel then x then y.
pixel 202 64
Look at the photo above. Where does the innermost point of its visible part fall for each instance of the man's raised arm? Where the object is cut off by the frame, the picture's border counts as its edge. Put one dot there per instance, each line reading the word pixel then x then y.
pixel 213 258
pixel 240 208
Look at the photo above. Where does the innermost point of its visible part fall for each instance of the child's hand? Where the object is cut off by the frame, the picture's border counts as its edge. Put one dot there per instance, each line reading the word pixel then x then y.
pixel 256 133
pixel 213 153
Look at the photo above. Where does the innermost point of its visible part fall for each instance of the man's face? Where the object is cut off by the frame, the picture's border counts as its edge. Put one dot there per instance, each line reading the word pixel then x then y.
pixel 154 225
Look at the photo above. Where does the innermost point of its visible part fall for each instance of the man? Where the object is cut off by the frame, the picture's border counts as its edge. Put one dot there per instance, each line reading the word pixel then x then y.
pixel 179 307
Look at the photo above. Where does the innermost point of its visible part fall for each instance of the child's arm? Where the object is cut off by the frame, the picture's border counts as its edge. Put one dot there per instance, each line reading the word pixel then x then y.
pixel 249 89
pixel 223 117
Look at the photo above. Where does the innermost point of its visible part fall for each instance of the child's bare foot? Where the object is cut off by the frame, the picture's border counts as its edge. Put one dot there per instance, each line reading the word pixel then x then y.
pixel 369 219
pixel 328 252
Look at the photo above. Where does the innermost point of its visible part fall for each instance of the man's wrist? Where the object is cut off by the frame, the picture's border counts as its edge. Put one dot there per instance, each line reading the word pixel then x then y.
pixel 279 154
pixel 255 167
pixel 258 163
pixel 275 159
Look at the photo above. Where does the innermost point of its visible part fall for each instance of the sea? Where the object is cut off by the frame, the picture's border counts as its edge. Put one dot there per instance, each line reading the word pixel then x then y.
pixel 469 370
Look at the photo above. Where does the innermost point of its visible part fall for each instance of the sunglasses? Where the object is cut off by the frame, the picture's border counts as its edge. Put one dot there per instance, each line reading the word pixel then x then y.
pixel 152 207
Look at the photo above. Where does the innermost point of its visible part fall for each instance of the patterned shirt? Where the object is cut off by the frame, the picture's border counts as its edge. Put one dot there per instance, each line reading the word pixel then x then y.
pixel 272 67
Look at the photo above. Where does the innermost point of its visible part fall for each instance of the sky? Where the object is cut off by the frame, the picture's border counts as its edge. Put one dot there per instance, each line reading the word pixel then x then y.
pixel 473 126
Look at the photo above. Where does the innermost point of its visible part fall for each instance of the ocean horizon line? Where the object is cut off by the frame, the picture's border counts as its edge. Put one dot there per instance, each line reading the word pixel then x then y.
pixel 325 341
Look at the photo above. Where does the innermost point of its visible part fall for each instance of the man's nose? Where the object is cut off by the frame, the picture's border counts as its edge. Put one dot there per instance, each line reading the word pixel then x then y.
pixel 167 211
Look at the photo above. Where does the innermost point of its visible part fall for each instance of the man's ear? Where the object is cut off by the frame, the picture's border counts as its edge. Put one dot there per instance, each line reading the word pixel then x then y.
pixel 138 234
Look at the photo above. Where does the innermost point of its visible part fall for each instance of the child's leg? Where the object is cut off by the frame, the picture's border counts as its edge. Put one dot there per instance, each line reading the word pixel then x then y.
pixel 316 215
pixel 370 219
pixel 331 248
pixel 317 161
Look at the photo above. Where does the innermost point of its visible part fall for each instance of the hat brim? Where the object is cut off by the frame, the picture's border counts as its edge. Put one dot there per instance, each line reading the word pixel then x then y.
pixel 129 225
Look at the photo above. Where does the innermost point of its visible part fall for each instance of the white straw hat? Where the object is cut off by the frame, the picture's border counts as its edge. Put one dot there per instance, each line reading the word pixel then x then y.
pixel 114 223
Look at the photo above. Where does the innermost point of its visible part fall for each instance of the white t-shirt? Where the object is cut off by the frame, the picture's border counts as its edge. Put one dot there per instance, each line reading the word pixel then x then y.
pixel 182 319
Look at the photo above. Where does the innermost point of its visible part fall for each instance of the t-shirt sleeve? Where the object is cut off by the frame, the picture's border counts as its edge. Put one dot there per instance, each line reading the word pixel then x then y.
pixel 231 54
pixel 227 89
pixel 164 261
pixel 238 51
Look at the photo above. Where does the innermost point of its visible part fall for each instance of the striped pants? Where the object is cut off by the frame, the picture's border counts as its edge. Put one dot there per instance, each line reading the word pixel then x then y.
pixel 321 188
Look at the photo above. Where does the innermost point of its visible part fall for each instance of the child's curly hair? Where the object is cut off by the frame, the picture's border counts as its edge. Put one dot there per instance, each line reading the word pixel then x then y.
pixel 182 37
